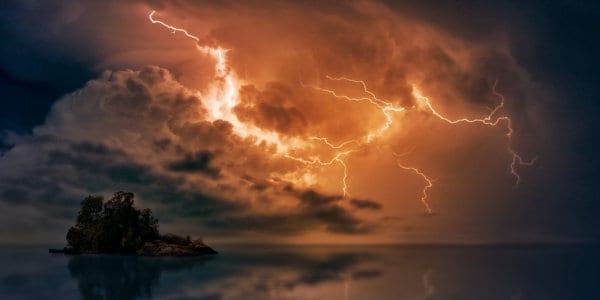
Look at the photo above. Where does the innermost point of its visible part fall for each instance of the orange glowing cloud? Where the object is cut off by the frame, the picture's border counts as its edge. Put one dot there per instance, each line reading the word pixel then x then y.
pixel 345 122
pixel 275 112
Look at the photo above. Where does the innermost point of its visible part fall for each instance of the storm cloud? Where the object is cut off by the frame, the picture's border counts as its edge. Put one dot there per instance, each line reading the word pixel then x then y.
pixel 113 133
pixel 124 104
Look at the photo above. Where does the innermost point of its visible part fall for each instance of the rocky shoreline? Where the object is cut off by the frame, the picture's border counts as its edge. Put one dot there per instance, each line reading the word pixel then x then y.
pixel 166 245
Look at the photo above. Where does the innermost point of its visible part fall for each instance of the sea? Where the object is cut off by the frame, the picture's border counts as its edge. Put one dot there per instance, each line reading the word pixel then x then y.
pixel 309 272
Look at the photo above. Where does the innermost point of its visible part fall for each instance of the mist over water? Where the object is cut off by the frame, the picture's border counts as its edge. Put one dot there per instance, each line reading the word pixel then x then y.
pixel 308 273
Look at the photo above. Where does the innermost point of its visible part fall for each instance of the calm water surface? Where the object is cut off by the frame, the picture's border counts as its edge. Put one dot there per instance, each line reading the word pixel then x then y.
pixel 309 273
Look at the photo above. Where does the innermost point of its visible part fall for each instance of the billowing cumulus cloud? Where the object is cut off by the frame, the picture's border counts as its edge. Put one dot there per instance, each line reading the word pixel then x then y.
pixel 315 127
pixel 143 131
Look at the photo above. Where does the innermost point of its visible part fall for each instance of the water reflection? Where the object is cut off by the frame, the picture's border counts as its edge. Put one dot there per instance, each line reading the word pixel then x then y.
pixel 310 273
pixel 252 274
pixel 121 277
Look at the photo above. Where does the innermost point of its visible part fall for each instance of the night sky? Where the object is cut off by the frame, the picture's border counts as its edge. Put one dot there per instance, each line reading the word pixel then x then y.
pixel 257 127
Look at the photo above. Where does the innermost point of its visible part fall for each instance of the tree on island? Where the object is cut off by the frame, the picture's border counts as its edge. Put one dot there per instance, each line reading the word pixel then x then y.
pixel 115 226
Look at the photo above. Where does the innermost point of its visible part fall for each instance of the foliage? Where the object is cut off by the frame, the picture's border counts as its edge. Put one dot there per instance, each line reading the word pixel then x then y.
pixel 114 226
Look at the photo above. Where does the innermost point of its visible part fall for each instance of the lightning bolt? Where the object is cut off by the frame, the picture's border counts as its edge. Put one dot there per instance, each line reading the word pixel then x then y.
pixel 428 181
pixel 386 109
pixel 223 97
pixel 172 28
pixel 317 161
pixel 428 185
pixel 332 146
pixel 488 120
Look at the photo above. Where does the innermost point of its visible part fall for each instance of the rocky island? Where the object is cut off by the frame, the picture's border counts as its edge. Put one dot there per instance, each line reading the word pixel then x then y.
pixel 117 227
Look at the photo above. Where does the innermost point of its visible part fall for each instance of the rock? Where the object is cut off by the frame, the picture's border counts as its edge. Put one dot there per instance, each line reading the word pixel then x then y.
pixel 173 245
pixel 167 245
pixel 148 249
pixel 170 238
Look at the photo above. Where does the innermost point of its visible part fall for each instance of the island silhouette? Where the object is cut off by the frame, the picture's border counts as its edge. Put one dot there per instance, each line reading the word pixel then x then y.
pixel 117 227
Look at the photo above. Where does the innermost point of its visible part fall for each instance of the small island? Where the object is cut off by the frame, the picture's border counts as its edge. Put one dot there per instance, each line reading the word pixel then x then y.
pixel 116 227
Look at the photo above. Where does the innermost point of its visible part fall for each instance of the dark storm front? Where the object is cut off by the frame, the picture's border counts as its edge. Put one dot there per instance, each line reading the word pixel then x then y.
pixel 309 273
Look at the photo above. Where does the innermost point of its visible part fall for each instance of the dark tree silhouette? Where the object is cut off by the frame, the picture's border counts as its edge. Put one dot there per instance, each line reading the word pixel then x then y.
pixel 114 226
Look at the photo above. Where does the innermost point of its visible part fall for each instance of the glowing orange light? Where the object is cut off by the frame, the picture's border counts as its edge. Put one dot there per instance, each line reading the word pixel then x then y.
pixel 223 96
pixel 222 99
pixel 385 107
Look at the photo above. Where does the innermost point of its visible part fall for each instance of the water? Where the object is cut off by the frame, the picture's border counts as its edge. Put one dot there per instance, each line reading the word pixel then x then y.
pixel 309 273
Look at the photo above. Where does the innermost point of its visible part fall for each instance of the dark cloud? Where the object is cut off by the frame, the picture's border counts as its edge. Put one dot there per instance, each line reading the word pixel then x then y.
pixel 365 204
pixel 314 210
pixel 312 198
pixel 92 168
pixel 196 162
pixel 366 273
